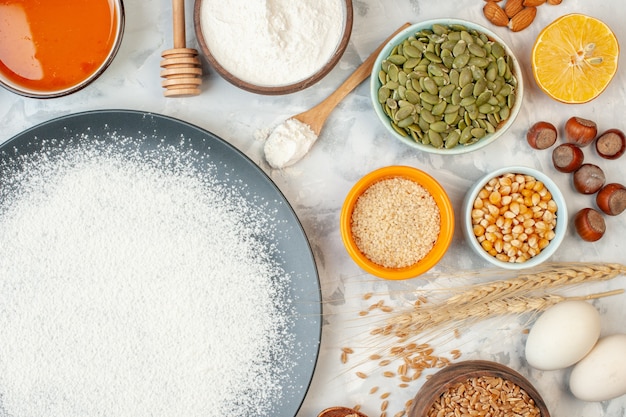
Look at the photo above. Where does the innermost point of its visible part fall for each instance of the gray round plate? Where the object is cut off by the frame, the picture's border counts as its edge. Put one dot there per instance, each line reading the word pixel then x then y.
pixel 235 170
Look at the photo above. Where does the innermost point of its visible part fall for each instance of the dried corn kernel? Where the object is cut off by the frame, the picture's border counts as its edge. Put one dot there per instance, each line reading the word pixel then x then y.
pixel 514 217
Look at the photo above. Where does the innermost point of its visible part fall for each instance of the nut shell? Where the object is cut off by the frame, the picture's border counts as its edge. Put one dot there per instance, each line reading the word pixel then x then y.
pixel 588 179
pixel 541 135
pixel 611 199
pixel 589 224
pixel 567 157
pixel 611 144
pixel 580 131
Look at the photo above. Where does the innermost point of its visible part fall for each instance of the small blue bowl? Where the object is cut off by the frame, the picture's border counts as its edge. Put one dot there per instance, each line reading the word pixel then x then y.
pixel 559 230
pixel 375 85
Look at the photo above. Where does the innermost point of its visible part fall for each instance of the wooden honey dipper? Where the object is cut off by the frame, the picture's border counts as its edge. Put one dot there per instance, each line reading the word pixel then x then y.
pixel 182 70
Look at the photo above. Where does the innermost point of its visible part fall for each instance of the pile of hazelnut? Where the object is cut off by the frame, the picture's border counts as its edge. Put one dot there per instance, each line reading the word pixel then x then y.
pixel 587 178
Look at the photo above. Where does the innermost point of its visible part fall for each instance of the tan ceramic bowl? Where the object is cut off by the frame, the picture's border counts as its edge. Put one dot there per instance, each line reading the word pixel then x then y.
pixel 460 372
pixel 278 87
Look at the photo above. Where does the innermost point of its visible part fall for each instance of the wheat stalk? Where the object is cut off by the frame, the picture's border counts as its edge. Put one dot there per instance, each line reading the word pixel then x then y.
pixel 554 276
pixel 421 320
pixel 529 292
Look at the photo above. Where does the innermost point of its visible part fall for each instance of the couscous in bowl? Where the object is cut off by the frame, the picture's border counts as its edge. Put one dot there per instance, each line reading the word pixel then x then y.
pixel 397 222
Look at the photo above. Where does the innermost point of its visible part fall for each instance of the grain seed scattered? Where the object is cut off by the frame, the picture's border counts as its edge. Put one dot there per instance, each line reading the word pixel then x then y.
pixel 384 405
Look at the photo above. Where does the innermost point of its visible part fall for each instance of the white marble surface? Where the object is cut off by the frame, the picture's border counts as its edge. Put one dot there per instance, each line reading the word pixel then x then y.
pixel 352 144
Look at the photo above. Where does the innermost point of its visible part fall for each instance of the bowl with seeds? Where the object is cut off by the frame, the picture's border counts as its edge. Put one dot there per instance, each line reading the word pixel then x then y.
pixel 514 217
pixel 478 387
pixel 397 222
pixel 446 86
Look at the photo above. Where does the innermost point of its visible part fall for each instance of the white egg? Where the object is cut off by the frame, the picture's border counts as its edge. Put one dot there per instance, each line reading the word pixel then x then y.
pixel 562 335
pixel 601 375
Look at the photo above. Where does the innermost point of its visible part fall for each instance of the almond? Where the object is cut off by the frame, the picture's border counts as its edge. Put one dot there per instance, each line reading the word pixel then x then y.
pixel 495 14
pixel 513 7
pixel 522 19
pixel 554 1
pixel 533 3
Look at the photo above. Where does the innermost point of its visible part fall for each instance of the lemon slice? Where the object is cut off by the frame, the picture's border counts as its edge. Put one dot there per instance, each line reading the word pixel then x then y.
pixel 575 58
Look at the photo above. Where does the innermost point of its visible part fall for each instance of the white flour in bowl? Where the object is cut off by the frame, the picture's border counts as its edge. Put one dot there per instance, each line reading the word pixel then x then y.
pixel 272 42
pixel 135 286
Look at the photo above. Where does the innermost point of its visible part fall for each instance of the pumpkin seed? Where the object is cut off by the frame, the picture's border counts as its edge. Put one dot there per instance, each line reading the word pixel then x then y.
pixel 429 98
pixel 439 126
pixel 404 112
pixel 397 59
pixel 428 116
pixel 451 118
pixel 461 61
pixel 439 108
pixel 411 51
pixel 383 94
pixel 483 97
pixel 478 132
pixel 466 135
pixel 479 87
pixel 452 139
pixel 455 98
pixel 412 96
pixel 435 70
pixel 447 90
pixel 399 130
pixel 405 122
pixel 497 50
pixel 432 56
pixel 476 50
pixel 430 86
pixel 454 77
pixel 435 139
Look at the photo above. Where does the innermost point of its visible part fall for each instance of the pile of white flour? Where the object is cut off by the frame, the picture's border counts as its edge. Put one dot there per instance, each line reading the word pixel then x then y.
pixel 135 286
pixel 272 42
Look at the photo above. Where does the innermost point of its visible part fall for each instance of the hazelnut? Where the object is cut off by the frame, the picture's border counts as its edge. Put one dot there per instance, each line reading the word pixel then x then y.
pixel 541 135
pixel 588 179
pixel 580 131
pixel 589 224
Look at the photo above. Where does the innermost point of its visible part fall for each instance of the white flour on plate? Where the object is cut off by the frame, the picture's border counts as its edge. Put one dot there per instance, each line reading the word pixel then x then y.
pixel 272 42
pixel 135 286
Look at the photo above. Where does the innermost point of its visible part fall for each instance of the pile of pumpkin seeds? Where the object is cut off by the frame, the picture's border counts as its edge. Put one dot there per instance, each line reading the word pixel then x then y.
pixel 447 86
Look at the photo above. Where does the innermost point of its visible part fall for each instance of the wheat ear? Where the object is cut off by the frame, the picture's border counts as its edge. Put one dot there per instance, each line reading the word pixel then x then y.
pixel 553 276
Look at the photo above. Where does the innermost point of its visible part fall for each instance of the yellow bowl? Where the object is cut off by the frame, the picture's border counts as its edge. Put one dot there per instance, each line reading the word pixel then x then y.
pixel 446 222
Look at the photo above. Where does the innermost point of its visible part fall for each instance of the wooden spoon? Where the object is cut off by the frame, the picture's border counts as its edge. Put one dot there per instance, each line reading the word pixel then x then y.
pixel 316 116
pixel 182 70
